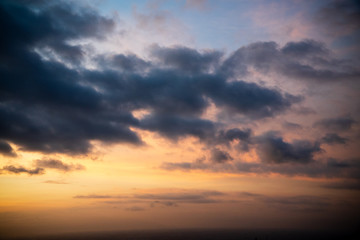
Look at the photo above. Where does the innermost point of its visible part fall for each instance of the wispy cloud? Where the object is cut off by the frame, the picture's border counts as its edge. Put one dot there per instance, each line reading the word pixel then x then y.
pixel 162 198
pixel 58 165
pixel 177 197
pixel 21 169
pixel 93 196
pixel 55 182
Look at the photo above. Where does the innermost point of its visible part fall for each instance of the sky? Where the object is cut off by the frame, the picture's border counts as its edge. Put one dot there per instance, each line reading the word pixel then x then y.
pixel 159 114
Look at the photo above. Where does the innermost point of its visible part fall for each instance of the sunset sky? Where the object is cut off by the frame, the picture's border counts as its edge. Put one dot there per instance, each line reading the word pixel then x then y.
pixel 160 114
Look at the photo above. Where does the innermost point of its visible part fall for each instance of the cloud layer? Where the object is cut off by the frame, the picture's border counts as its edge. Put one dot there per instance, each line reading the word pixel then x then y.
pixel 178 197
pixel 57 95
pixel 49 106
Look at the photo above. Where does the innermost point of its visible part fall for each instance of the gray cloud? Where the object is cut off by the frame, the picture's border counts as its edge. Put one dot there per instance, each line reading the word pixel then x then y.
pixel 333 138
pixel 163 203
pixel 167 199
pixel 306 60
pixel 58 165
pixel 135 209
pixel 246 98
pixel 305 48
pixel 347 185
pixel 49 85
pixel 219 156
pixel 273 149
pixel 243 137
pixel 292 203
pixel 52 107
pixel 336 124
pixel 292 126
pixel 6 149
pixel 176 96
pixel 41 165
pixel 346 169
pixel 93 196
pixel 234 134
pixel 127 63
pixel 187 59
pixel 341 21
pixel 182 166
pixel 175 127
pixel 21 169
pixel 182 197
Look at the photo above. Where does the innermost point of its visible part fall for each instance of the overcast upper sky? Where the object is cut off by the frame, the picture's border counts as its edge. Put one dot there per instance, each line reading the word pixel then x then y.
pixel 138 114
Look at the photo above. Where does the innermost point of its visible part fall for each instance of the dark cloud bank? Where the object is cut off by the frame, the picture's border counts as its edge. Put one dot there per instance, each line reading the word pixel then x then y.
pixel 49 106
pixel 50 102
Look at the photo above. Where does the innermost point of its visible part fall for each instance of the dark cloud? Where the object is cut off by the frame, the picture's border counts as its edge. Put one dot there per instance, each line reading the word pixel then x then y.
pixel 50 106
pixel 233 167
pixel 292 126
pixel 21 169
pixel 187 59
pixel 163 91
pixel 183 166
pixel 29 96
pixel 336 124
pixel 260 55
pixel 173 91
pixel 296 158
pixel 174 127
pixel 234 134
pixel 243 137
pixel 273 149
pixel 40 129
pixel 41 165
pixel 341 21
pixel 58 165
pixel 219 156
pixel 343 185
pixel 127 63
pixel 333 138
pixel 304 48
pixel 50 25
pixel 247 98
pixel 6 149
pixel 308 60
pixel 349 168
